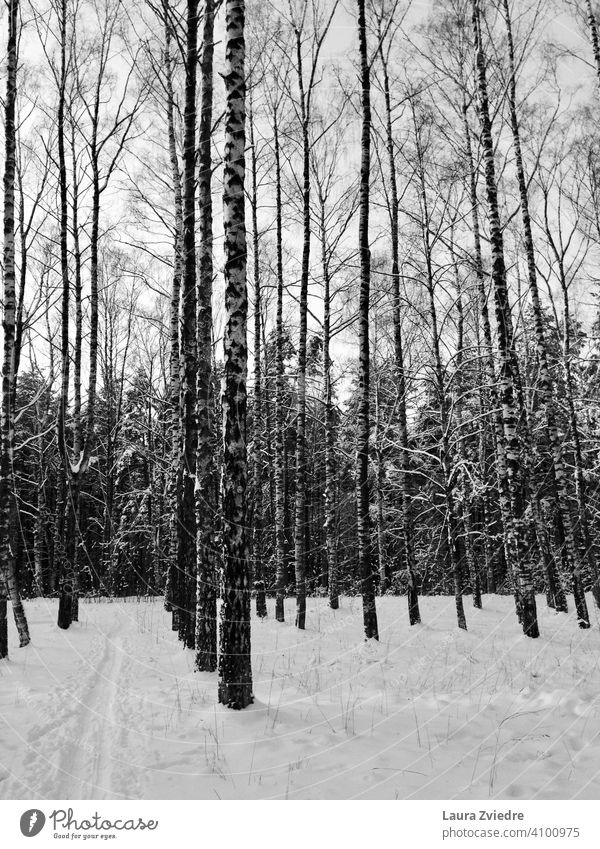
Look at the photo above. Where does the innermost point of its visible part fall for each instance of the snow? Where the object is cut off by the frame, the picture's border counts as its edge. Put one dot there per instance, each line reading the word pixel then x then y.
pixel 112 708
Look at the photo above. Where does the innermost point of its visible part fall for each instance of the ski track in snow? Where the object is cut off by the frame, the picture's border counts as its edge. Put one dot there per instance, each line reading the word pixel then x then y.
pixel 72 754
pixel 112 708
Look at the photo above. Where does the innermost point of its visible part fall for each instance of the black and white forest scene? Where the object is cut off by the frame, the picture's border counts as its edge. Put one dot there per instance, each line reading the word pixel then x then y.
pixel 300 403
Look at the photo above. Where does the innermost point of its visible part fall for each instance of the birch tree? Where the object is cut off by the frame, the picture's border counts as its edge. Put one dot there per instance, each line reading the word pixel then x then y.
pixel 206 501
pixel 235 673
pixel 564 524
pixel 172 584
pixel 186 513
pixel 9 326
pixel 508 376
pixel 307 79
pixel 259 407
pixel 363 425
pixel 407 564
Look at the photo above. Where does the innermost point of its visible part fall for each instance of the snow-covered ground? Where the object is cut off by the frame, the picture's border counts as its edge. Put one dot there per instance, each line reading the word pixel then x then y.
pixel 113 709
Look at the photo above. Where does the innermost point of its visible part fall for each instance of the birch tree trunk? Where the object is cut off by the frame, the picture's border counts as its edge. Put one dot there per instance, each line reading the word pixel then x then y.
pixel 7 574
pixel 257 444
pixel 82 449
pixel 593 26
pixel 363 424
pixel 466 499
pixel 508 374
pixel 77 354
pixel 280 487
pixel 186 511
pixel 564 523
pixel 494 403
pixel 77 358
pixel 206 598
pixel 331 542
pixel 383 566
pixel 81 459
pixel 235 673
pixel 300 506
pixel 41 517
pixel 488 356
pixel 452 520
pixel 407 561
pixel 173 481
pixel 65 564
pixel 3 619
pixel 580 488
